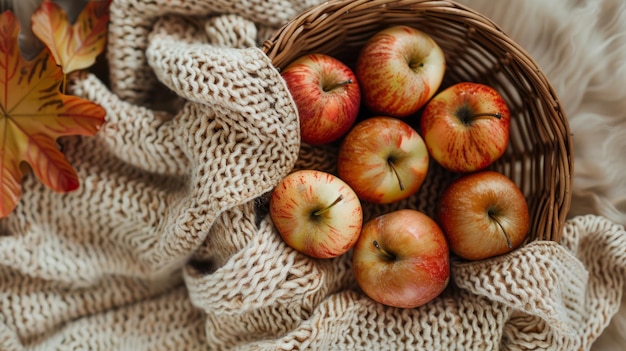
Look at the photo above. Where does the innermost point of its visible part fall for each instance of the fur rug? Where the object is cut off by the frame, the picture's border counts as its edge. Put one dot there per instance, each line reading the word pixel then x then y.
pixel 581 46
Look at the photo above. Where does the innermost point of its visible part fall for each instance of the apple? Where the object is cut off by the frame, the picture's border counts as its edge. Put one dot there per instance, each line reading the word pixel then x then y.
pixel 402 259
pixel 326 94
pixel 483 214
pixel 466 127
pixel 316 213
pixel 383 159
pixel 399 69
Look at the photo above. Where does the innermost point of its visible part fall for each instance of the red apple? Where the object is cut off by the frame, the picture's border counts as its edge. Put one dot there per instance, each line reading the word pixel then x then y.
pixel 327 96
pixel 399 69
pixel 466 127
pixel 402 259
pixel 316 213
pixel 383 159
pixel 483 214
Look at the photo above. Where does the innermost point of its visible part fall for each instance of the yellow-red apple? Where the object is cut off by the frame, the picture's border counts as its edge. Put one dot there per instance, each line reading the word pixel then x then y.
pixel 483 214
pixel 316 213
pixel 383 159
pixel 466 127
pixel 402 259
pixel 327 96
pixel 399 69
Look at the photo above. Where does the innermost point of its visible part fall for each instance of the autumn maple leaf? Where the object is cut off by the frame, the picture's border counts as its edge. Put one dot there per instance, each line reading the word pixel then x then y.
pixel 33 114
pixel 73 46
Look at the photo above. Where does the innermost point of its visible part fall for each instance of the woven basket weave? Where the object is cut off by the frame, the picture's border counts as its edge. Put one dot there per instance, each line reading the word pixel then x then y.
pixel 539 156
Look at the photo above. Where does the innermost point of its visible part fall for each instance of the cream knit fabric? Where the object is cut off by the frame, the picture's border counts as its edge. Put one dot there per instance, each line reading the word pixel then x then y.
pixel 167 244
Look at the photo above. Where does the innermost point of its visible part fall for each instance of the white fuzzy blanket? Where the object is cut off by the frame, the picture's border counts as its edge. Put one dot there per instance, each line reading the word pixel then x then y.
pixel 581 46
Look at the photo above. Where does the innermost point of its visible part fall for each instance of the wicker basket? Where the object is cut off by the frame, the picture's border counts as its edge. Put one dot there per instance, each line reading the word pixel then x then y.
pixel 539 157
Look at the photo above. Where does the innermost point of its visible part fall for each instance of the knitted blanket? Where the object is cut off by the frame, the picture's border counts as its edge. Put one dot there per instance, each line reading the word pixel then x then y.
pixel 166 244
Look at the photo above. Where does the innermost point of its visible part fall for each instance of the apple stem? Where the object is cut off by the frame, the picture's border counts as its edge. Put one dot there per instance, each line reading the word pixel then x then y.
pixel 395 171
pixel 415 65
pixel 506 236
pixel 343 82
pixel 325 209
pixel 485 116
pixel 385 253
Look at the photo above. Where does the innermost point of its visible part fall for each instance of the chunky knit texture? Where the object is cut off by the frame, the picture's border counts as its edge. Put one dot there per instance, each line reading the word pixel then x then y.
pixel 167 244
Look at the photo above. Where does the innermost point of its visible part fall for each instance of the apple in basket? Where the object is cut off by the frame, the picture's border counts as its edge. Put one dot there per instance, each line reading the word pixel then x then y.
pixel 383 159
pixel 483 214
pixel 327 96
pixel 316 213
pixel 402 259
pixel 399 69
pixel 466 127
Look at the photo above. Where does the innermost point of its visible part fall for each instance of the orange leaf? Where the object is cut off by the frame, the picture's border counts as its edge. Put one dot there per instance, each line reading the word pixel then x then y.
pixel 33 114
pixel 74 46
